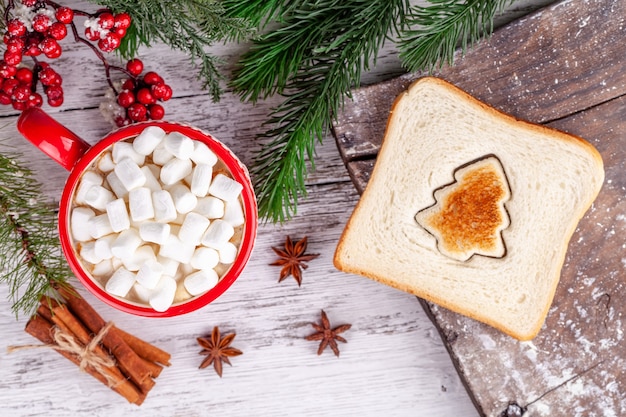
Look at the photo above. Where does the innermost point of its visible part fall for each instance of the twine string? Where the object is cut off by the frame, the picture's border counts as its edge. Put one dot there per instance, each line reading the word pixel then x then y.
pixel 88 357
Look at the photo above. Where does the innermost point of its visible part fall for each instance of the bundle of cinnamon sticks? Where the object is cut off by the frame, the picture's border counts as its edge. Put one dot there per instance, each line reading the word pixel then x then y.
pixel 125 363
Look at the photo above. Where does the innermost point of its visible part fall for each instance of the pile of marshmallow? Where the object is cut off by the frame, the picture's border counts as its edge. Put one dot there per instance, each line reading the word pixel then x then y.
pixel 151 215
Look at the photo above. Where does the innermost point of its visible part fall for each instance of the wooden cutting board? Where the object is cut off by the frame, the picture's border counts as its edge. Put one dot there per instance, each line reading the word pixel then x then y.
pixel 563 66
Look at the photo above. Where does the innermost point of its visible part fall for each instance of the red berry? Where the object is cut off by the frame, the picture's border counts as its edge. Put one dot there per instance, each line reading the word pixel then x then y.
pixel 54 92
pixel 49 77
pixel 29 3
pixel 106 20
pixel 64 15
pixel 32 46
pixel 18 105
pixel 41 23
pixel 110 42
pixel 137 112
pixel 126 98
pixel 144 96
pixel 5 98
pixel 20 93
pixel 156 112
pixel 6 70
pixel 121 121
pixel 34 100
pixel 57 31
pixel 122 20
pixel 152 78
pixel 9 85
pixel 92 35
pixel 121 32
pixel 50 47
pixel 55 102
pixel 15 45
pixel 24 75
pixel 162 91
pixel 134 66
pixel 128 85
pixel 12 58
pixel 16 27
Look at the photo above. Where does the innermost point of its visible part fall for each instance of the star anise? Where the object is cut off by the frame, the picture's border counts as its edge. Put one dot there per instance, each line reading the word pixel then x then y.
pixel 217 350
pixel 328 335
pixel 292 259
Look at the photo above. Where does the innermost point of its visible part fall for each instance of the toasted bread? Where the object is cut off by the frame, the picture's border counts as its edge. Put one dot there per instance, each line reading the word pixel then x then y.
pixel 470 208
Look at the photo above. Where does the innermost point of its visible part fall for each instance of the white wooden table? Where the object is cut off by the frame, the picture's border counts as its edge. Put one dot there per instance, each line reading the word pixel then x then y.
pixel 393 364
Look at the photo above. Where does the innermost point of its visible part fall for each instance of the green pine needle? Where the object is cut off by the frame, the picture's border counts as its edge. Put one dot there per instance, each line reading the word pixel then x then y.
pixel 30 252
pixel 314 60
pixel 434 32
pixel 185 25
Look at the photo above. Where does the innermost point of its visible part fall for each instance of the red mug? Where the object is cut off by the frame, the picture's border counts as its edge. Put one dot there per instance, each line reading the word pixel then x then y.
pixel 76 155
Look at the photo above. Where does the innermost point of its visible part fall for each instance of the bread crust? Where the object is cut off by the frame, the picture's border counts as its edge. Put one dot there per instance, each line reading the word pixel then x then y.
pixel 559 257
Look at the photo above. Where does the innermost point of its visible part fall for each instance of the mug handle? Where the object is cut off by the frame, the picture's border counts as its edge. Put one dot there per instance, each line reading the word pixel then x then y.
pixel 51 137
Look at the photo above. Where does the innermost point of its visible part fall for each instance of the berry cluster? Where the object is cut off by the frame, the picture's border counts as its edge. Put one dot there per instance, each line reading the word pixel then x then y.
pixel 108 29
pixel 34 31
pixel 139 96
pixel 35 27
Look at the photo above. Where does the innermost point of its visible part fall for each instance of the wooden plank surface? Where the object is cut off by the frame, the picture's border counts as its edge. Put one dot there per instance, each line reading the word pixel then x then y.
pixel 562 66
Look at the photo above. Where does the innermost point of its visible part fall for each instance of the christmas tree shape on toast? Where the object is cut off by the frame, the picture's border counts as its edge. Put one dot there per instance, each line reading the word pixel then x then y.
pixel 468 216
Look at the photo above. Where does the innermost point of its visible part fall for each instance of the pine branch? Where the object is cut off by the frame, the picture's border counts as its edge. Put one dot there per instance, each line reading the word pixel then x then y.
pixel 31 258
pixel 186 25
pixel 435 32
pixel 314 60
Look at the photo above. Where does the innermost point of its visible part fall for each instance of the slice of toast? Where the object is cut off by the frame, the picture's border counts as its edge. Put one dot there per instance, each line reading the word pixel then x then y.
pixel 470 208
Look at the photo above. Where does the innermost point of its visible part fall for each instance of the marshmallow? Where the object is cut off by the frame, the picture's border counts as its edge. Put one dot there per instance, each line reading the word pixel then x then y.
pixel 120 282
pixel 225 188
pixel 123 150
pixel 160 155
pixel 118 216
pixel 164 208
pixel 150 273
pixel 233 213
pixel 102 246
pixel 140 204
pixel 92 177
pixel 79 223
pixel 200 281
pixel 228 253
pixel 151 180
pixel 99 226
pixel 142 293
pixel 175 249
pixel 129 174
pixel 126 243
pixel 218 234
pixel 204 258
pixel 88 253
pixel 179 145
pixel 170 266
pixel 148 139
pixel 193 228
pixel 154 232
pixel 163 295
pixel 201 179
pixel 116 185
pixel 175 170
pixel 105 162
pixel 202 154
pixel 134 260
pixel 184 200
pixel 103 269
pixel 211 207
pixel 97 197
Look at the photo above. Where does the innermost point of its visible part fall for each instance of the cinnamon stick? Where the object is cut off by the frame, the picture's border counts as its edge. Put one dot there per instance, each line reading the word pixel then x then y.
pixel 42 329
pixel 62 315
pixel 144 349
pixel 129 362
